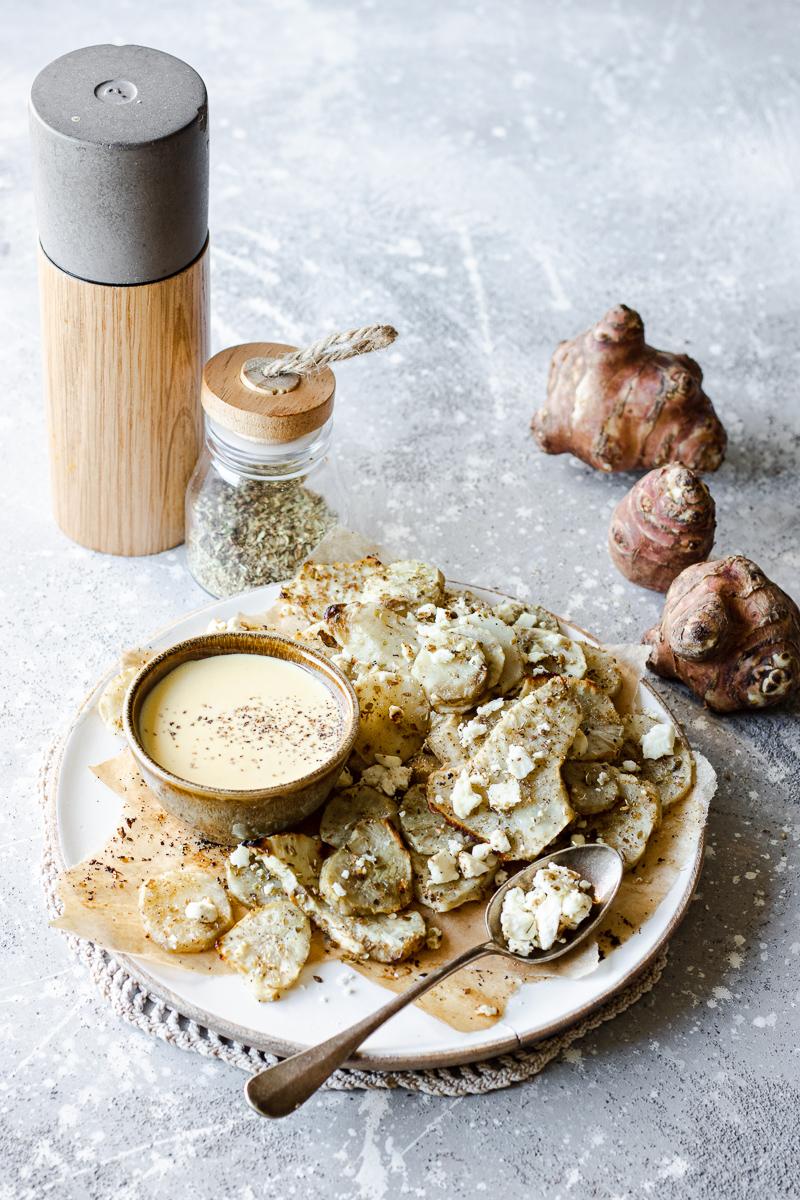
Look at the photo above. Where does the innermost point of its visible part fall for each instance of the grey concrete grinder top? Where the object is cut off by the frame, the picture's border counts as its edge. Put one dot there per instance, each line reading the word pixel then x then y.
pixel 120 162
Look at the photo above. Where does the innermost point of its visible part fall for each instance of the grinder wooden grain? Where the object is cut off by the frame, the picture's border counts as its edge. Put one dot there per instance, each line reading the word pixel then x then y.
pixel 120 157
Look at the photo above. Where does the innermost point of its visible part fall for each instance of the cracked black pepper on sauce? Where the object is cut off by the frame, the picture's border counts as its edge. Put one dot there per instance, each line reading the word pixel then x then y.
pixel 240 721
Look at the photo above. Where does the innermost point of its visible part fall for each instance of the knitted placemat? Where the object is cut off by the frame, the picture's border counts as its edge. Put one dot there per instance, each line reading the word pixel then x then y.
pixel 130 1000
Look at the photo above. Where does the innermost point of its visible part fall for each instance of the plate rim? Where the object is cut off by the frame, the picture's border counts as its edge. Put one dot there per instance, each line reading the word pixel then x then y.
pixel 382 1063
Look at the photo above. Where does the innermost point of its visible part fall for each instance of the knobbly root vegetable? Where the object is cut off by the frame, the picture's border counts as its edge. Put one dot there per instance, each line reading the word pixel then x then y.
pixel 620 405
pixel 662 525
pixel 730 634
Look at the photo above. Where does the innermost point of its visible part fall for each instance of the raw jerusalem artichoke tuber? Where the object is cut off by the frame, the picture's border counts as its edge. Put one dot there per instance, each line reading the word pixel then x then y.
pixel 730 634
pixel 620 405
pixel 663 524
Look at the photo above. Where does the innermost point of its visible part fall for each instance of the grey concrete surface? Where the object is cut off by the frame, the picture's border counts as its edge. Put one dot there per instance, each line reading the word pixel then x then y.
pixel 491 178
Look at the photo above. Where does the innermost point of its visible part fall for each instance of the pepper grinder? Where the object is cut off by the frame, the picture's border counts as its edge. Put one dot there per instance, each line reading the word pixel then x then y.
pixel 120 157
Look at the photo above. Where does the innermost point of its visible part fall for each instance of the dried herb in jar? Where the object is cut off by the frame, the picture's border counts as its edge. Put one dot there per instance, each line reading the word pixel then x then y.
pixel 252 532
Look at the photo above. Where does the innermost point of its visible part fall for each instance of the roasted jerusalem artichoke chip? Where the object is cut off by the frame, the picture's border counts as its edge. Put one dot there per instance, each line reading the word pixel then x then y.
pixel 672 775
pixel 592 787
pixel 454 738
pixel 371 635
pixel 405 585
pixel 427 834
pixel 370 875
pixel 443 897
pixel 491 632
pixel 425 831
pixel 316 585
pixel 269 946
pixel 185 909
pixel 533 616
pixel 394 714
pixel 251 883
pixel 514 784
pixel 348 808
pixel 248 881
pixel 602 668
pixel 549 653
pixel 386 938
pixel 601 731
pixel 452 669
pixel 628 827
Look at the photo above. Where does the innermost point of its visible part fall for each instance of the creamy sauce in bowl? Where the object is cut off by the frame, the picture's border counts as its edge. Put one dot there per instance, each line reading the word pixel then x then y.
pixel 241 721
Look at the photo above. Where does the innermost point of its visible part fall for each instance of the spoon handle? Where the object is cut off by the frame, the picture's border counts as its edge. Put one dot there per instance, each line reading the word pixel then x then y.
pixel 279 1090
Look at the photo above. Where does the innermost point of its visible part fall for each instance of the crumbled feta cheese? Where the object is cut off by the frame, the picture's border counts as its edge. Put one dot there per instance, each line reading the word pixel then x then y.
pixel 482 851
pixel 442 867
pixel 345 873
pixel 526 620
pixel 470 732
pixel 465 799
pixel 455 846
pixel 486 1010
pixel 520 763
pixel 471 867
pixel 508 611
pixel 499 842
pixel 543 728
pixel 602 778
pixel 433 937
pixel 504 795
pixel 568 655
pixel 629 765
pixel 240 857
pixel 202 910
pixel 501 877
pixel 345 779
pixel 338 889
pixel 534 919
pixel 388 774
pixel 442 655
pixel 659 740
pixel 491 706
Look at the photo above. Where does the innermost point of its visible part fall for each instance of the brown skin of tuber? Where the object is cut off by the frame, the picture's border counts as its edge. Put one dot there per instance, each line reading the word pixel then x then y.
pixel 662 525
pixel 619 405
pixel 730 634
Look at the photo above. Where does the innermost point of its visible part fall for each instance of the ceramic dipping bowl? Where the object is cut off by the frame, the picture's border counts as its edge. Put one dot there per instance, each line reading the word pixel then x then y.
pixel 229 816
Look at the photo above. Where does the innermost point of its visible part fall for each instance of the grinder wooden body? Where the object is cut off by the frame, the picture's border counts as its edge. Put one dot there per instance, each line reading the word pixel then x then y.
pixel 122 373
pixel 120 163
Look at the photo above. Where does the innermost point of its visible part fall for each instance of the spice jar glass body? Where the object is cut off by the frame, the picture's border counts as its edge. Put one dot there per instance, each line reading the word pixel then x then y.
pixel 255 511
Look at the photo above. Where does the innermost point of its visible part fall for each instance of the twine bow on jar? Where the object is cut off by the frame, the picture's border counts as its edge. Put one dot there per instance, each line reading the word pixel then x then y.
pixel 278 375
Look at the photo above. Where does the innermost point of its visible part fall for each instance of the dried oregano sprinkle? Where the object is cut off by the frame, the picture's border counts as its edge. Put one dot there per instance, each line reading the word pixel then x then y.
pixel 254 532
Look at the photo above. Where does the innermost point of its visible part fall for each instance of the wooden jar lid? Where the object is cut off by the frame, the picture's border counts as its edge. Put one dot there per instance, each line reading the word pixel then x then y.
pixel 257 413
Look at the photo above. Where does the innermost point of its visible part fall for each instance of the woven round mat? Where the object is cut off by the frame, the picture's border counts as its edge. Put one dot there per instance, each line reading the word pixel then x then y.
pixel 152 1015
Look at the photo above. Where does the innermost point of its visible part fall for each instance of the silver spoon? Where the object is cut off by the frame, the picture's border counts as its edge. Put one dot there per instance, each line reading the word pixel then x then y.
pixel 282 1088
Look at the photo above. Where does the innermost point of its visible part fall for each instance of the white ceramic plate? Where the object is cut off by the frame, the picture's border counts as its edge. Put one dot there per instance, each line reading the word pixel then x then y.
pixel 87 813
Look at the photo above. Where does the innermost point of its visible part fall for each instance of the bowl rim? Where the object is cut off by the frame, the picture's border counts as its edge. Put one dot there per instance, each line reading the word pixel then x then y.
pixel 249 642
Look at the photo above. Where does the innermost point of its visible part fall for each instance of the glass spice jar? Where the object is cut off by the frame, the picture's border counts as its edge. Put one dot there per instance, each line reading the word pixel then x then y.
pixel 266 488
